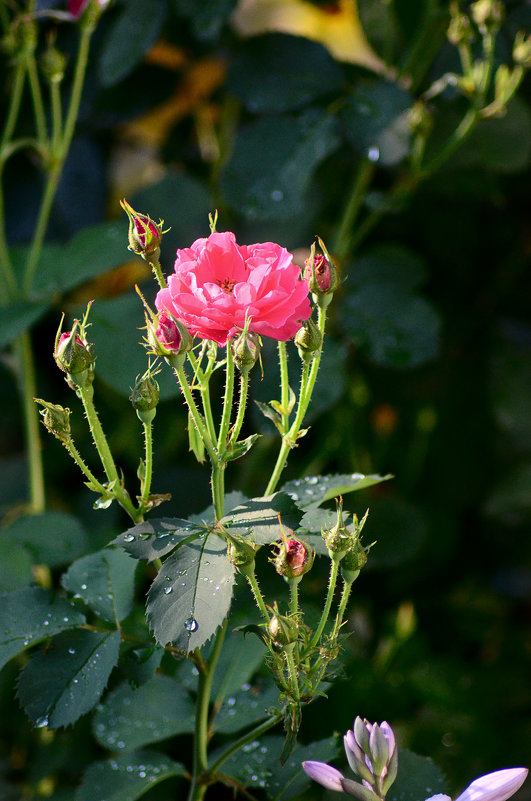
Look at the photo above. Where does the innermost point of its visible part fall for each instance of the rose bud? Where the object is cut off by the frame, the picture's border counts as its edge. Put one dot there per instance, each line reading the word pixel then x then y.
pixel 294 558
pixel 168 338
pixel 308 339
pixel 74 357
pixel 145 235
pixel 321 275
pixel 145 396
pixel 246 351
pixel 56 419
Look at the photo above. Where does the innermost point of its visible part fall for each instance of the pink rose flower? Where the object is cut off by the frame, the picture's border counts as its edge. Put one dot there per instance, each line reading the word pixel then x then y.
pixel 217 283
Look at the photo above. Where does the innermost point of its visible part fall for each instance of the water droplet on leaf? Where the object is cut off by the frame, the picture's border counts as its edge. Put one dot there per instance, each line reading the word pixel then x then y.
pixel 191 624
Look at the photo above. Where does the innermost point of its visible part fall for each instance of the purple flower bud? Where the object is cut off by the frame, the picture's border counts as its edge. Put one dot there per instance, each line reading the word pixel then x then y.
pixel 497 786
pixel 324 774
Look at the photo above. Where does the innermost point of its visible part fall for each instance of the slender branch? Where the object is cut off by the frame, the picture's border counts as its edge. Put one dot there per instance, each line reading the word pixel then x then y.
pixel 227 400
pixel 148 444
pixel 357 193
pixel 284 383
pixel 244 739
pixel 78 459
pixel 334 568
pixel 196 416
pixel 28 391
pixel 258 597
pixel 36 96
pixel 345 595
pixel 242 404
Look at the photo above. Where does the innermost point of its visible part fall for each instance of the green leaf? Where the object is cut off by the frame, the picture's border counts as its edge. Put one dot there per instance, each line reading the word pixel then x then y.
pixel 206 19
pixel 314 490
pixel 18 318
pixel 398 329
pixel 130 35
pixel 140 664
pixel 126 777
pixel 418 777
pixel 239 449
pixel 257 519
pixel 247 706
pixel 398 528
pixel 258 765
pixel 375 116
pixel 53 538
pixel 191 594
pixel 16 567
pixel 502 145
pixel 266 84
pixel 66 680
pixel 240 658
pixel 30 615
pixel 389 263
pixel 273 161
pixel 91 252
pixel 130 718
pixel 155 538
pixel 104 581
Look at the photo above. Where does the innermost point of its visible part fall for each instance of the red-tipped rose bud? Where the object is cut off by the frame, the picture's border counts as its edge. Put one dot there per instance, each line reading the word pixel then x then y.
pixel 294 558
pixel 168 337
pixel 77 7
pixel 321 274
pixel 145 235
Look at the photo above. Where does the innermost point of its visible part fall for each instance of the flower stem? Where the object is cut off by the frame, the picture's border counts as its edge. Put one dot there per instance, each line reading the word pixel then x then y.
pixel 242 404
pixel 357 193
pixel 204 388
pixel 292 673
pixel 102 446
pixel 284 384
pixel 227 400
pixel 196 416
pixel 345 595
pixel 28 391
pixel 334 569
pixel 258 597
pixel 244 739
pixel 154 263
pixel 294 594
pixel 148 442
pixel 198 789
pixel 78 459
pixel 36 96
pixel 309 376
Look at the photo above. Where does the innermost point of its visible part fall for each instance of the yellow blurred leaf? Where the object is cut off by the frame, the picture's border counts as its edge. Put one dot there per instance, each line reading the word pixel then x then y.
pixel 336 26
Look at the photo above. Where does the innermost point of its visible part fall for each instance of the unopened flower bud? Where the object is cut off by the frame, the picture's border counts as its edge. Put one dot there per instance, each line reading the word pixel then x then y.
pixel 321 274
pixel 308 339
pixel 294 558
pixel 168 337
pixel 246 351
pixel 283 629
pixel 53 64
pixel 74 357
pixel 460 29
pixel 145 235
pixel 487 14
pixel 241 554
pixel 56 419
pixel 338 538
pixel 145 397
pixel 94 7
pixel 522 50
pixel 372 754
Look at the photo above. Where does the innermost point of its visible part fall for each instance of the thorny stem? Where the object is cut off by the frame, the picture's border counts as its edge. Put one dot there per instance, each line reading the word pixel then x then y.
pixel 345 595
pixel 258 597
pixel 36 96
pixel 194 411
pixel 154 263
pixel 244 388
pixel 148 441
pixel 102 446
pixel 334 568
pixel 78 459
pixel 292 673
pixel 294 595
pixel 309 376
pixel 284 384
pixel 227 400
pixel 204 388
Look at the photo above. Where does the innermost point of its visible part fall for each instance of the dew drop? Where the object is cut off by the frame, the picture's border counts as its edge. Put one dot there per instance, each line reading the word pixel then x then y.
pixel 71 650
pixel 129 537
pixel 40 723
pixel 83 586
pixel 373 153
pixel 168 590
pixel 277 195
pixel 191 624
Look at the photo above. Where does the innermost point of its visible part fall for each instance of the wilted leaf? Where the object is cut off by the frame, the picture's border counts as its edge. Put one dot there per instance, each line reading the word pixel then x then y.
pixel 66 680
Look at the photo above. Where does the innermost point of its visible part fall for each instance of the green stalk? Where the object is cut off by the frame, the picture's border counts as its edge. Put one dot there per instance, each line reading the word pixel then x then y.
pixel 244 739
pixel 227 400
pixel 294 594
pixel 258 597
pixel 292 673
pixel 357 193
pixel 334 569
pixel 242 404
pixel 36 96
pixel 102 446
pixel 284 383
pixel 197 789
pixel 345 595
pixel 154 263
pixel 28 391
pixel 309 376
pixel 203 380
pixel 57 116
pixel 194 411
pixel 148 441
pixel 78 459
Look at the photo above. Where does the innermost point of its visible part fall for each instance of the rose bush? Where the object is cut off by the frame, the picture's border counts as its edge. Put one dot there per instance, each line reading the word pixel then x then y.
pixel 217 283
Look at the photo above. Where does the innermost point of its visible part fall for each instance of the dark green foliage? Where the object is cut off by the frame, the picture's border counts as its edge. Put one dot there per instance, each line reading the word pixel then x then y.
pixel 126 777
pixel 130 718
pixel 247 706
pixel 258 519
pixel 53 538
pixel 155 538
pixel 67 679
pixel 18 318
pixel 104 581
pixel 30 615
pixel 314 490
pixel 284 83
pixel 191 595
pixel 418 777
